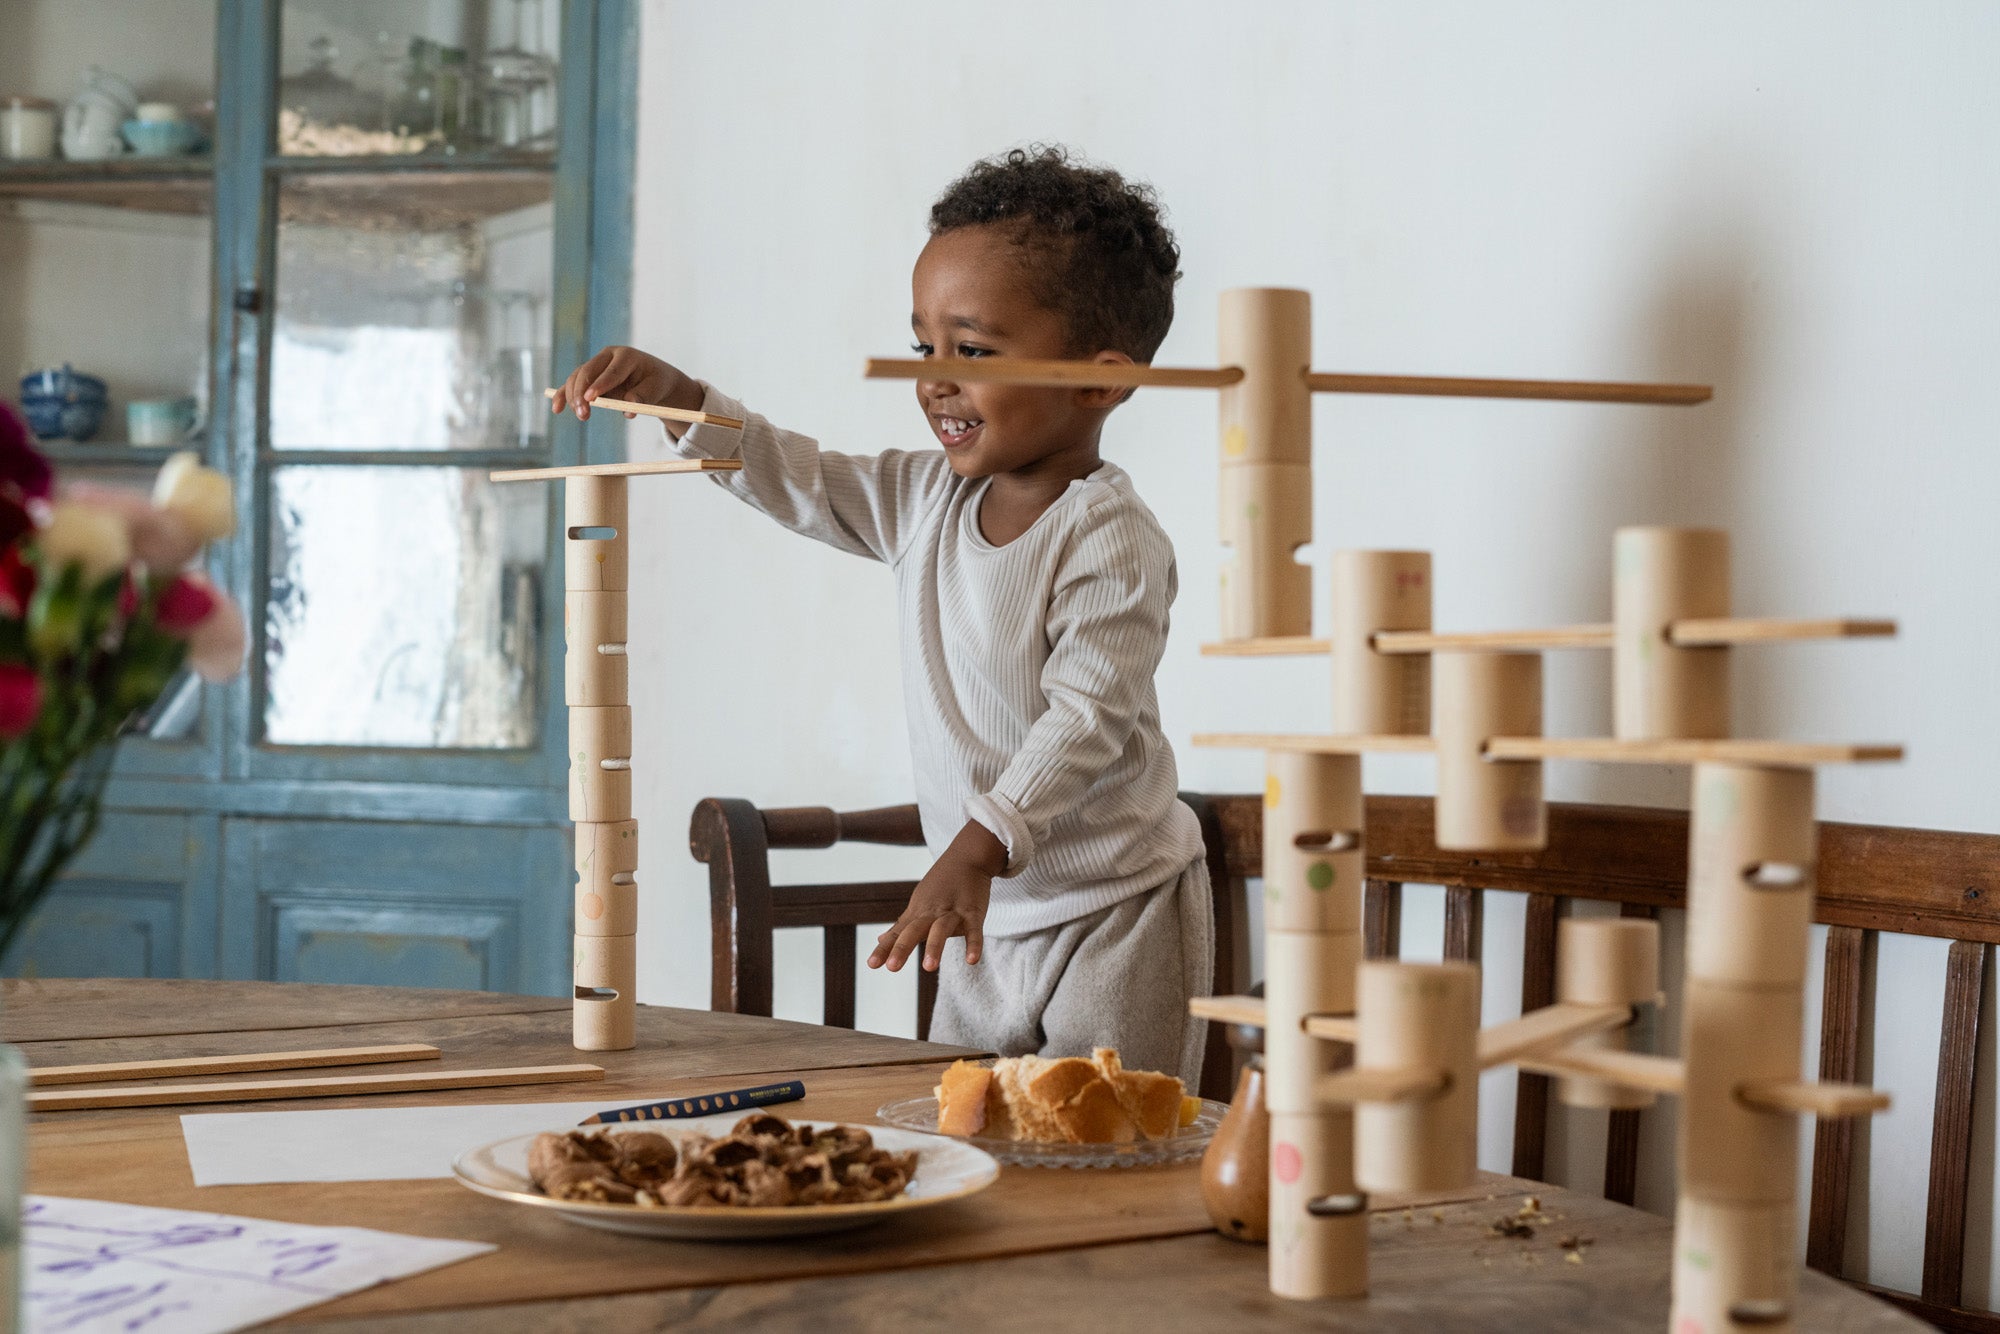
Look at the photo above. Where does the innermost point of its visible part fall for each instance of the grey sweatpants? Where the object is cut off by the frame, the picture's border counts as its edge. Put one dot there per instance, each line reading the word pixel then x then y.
pixel 1121 977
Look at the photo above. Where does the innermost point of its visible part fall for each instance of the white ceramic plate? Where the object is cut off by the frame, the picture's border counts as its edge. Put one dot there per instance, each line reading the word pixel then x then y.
pixel 920 1114
pixel 947 1169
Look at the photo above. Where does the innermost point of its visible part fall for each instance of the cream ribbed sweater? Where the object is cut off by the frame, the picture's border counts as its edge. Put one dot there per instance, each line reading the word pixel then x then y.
pixel 1027 669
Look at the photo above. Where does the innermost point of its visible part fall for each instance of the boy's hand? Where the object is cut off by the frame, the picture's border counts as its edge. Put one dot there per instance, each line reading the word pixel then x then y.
pixel 627 373
pixel 949 901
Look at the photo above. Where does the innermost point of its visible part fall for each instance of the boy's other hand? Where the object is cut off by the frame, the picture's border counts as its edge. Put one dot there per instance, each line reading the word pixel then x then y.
pixel 949 901
pixel 627 373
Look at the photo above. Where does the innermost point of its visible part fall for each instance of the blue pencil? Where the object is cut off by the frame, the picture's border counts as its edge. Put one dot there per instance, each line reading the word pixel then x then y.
pixel 739 1099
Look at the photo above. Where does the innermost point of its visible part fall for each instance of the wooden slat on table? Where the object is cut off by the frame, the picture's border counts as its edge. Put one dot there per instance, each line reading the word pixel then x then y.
pixel 55 1009
pixel 1436 1269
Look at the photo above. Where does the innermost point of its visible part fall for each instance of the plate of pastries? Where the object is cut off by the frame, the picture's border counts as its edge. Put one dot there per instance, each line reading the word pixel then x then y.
pixel 1066 1111
pixel 727 1177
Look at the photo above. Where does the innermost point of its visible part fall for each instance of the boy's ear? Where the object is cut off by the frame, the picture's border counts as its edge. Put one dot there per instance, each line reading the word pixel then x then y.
pixel 1109 398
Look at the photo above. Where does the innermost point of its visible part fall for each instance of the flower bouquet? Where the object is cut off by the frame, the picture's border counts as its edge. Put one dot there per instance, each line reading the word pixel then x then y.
pixel 99 611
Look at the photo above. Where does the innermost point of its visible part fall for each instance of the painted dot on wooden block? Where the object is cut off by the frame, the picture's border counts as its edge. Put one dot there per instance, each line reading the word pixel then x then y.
pixel 592 906
pixel 1320 875
pixel 1235 442
pixel 1286 1162
pixel 1272 791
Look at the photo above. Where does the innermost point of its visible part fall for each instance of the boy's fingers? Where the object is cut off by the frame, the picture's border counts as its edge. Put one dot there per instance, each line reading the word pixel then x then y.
pixel 975 940
pixel 907 940
pixel 943 929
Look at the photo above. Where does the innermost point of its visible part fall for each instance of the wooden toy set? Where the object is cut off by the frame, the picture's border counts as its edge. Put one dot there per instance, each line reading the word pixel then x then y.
pixel 1372 1068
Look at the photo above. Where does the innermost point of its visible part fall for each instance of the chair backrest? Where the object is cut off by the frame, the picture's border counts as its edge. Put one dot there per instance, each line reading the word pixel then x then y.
pixel 734 839
pixel 1871 879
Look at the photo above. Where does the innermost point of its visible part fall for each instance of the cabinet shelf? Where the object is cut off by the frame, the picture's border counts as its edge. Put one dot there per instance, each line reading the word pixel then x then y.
pixel 145 185
pixel 110 454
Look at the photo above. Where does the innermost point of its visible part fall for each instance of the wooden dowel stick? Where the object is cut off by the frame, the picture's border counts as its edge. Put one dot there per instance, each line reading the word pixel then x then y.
pixel 54 1076
pixel 1701 633
pixel 1333 1027
pixel 1267 646
pixel 1551 1025
pixel 1357 1086
pixel 1229 1009
pixel 1607 750
pixel 1315 745
pixel 1689 633
pixel 1055 374
pixel 336 1086
pixel 654 410
pixel 1498 641
pixel 1659 1074
pixel 1583 391
pixel 647 469
pixel 1811 1099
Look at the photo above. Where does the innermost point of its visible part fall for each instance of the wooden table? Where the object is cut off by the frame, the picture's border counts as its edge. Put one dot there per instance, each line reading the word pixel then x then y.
pixel 1041 1249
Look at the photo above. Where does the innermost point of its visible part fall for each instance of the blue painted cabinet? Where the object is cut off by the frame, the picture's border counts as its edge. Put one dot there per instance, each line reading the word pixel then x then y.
pixel 380 797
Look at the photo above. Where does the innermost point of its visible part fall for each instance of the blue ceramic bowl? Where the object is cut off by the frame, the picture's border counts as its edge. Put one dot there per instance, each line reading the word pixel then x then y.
pixel 58 418
pixel 161 138
pixel 67 385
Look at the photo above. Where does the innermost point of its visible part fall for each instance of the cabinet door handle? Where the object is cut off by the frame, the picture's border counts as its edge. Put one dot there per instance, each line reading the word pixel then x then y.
pixel 250 300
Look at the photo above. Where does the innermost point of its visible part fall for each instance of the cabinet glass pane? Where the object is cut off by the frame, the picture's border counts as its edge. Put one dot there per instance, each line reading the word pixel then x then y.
pixel 412 311
pixel 392 77
pixel 404 608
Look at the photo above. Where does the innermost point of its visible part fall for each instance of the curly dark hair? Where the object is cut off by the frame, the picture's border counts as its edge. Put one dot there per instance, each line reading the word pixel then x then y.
pixel 1096 248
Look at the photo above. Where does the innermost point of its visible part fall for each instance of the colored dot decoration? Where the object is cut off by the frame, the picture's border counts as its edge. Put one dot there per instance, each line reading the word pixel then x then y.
pixel 1272 791
pixel 1234 442
pixel 1286 1162
pixel 1320 875
pixel 592 906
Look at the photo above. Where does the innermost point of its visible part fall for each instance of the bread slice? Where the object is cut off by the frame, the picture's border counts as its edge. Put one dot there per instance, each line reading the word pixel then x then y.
pixel 962 1099
pixel 1152 1101
pixel 1060 1100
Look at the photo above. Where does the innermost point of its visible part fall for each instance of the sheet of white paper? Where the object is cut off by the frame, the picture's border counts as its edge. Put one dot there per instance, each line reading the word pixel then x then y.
pixel 358 1143
pixel 91 1266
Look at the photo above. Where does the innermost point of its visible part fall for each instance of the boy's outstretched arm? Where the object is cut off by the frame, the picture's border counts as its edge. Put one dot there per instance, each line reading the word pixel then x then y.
pixel 868 505
pixel 949 901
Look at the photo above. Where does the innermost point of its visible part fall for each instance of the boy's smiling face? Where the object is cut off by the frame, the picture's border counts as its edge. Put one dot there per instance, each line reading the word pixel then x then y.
pixel 972 298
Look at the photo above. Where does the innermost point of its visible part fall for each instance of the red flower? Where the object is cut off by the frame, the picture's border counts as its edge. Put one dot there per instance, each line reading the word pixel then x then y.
pixel 20 699
pixel 24 472
pixel 17 583
pixel 184 604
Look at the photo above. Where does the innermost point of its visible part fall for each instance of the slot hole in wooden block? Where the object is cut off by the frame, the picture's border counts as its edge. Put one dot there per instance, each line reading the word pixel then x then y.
pixel 624 878
pixel 593 534
pixel 1338 1206
pixel 614 765
pixel 1319 840
pixel 596 994
pixel 1774 875
pixel 612 650
pixel 1760 1311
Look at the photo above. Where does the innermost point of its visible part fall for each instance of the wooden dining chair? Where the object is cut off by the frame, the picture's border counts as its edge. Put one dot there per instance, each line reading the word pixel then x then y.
pixel 734 838
pixel 1871 879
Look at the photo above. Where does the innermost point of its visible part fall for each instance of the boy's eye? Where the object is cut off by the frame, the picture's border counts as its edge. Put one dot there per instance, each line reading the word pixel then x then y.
pixel 921 349
pixel 969 350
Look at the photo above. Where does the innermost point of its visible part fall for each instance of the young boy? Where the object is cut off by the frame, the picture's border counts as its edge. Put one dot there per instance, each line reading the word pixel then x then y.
pixel 1034 586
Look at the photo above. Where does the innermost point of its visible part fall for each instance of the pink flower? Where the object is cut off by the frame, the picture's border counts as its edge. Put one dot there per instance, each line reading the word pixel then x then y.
pixel 161 540
pixel 216 644
pixel 17 583
pixel 185 603
pixel 20 699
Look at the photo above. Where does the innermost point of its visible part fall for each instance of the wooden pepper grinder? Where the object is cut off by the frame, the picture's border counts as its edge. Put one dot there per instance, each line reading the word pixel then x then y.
pixel 1236 1169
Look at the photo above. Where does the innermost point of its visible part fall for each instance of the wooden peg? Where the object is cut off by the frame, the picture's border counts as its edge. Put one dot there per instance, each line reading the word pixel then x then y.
pixel 1419 1016
pixel 596 557
pixel 1732 1036
pixel 1266 416
pixel 1751 856
pixel 1735 1266
pixel 1661 689
pixel 607 891
pixel 1305 973
pixel 602 1015
pixel 1316 1250
pixel 1313 864
pixel 1482 804
pixel 1266 516
pixel 1606 961
pixel 600 765
pixel 1378 693
pixel 592 624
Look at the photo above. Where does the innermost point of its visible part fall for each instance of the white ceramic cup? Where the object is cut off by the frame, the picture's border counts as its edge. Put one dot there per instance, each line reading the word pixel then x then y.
pixel 27 128
pixel 159 113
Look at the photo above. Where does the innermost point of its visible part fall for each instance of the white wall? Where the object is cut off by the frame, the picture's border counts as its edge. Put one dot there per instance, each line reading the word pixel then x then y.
pixel 1792 201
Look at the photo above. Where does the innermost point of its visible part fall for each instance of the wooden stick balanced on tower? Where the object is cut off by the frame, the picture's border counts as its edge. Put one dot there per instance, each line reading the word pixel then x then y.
pixel 596 564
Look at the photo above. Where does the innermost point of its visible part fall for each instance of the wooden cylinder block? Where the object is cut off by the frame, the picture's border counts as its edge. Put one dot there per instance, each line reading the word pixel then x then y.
pixel 1266 516
pixel 1606 961
pixel 1380 694
pixel 607 892
pixel 1305 973
pixel 1482 804
pixel 600 795
pixel 1315 798
pixel 1267 415
pixel 591 622
pixel 1662 575
pixel 1323 1251
pixel 1751 856
pixel 1730 1036
pixel 602 1014
pixel 1419 1016
pixel 1735 1266
pixel 595 553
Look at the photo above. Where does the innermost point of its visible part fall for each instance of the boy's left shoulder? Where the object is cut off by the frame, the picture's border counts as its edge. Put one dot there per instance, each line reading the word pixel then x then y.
pixel 1107 498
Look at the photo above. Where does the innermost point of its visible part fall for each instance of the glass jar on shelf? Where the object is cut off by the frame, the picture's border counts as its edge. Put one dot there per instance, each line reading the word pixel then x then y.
pixel 517 84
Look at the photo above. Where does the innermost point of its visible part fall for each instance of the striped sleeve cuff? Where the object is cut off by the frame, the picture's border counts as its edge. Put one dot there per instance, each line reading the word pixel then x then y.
pixel 1007 824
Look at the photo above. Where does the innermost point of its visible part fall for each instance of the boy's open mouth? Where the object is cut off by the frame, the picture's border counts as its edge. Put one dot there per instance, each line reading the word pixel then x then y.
pixel 956 432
